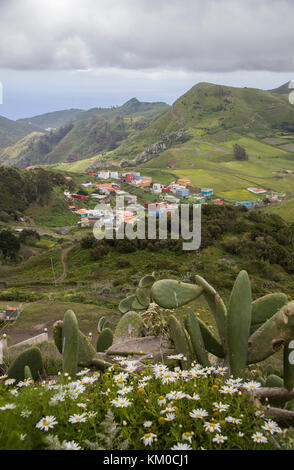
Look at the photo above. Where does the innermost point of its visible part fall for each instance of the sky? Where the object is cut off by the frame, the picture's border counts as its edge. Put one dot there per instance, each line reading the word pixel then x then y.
pixel 62 54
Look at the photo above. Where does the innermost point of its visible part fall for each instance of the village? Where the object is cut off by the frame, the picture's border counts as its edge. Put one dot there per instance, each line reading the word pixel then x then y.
pixel 156 198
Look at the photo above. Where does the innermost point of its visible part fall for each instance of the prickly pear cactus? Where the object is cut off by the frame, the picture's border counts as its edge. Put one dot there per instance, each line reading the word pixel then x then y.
pixel 105 340
pixel 129 326
pixel 169 293
pixel 30 357
pixel 70 343
pixel 238 324
pixel 272 335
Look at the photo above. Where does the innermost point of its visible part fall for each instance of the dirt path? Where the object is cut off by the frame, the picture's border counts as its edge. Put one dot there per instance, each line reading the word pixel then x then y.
pixel 64 254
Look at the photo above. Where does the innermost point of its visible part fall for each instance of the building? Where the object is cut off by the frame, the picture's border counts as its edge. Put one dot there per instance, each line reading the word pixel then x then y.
pixel 103 174
pixel 81 197
pixel 182 192
pixel 207 192
pixel 10 313
pixel 248 204
pixel 184 181
pixel 257 190
pixel 157 188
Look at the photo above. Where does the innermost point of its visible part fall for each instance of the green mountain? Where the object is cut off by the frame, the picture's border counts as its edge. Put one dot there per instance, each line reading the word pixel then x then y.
pixel 52 120
pixel 86 133
pixel 12 131
pixel 133 107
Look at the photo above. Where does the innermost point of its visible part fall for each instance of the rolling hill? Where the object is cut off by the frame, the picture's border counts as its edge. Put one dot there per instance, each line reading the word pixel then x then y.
pixel 12 131
pixel 83 134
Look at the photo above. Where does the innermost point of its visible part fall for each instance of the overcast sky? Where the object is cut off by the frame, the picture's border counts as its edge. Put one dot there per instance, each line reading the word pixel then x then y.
pixel 56 54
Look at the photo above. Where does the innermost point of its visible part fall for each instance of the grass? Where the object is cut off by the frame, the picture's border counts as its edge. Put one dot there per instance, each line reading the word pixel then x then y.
pixel 54 214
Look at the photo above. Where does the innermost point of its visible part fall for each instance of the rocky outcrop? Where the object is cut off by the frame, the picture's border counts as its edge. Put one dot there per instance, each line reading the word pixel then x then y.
pixel 101 164
pixel 155 149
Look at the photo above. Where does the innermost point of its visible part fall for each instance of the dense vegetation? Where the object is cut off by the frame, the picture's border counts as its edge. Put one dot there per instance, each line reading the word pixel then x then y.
pixel 21 188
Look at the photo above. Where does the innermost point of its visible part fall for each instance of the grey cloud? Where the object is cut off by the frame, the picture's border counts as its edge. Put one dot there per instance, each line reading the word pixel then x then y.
pixel 192 35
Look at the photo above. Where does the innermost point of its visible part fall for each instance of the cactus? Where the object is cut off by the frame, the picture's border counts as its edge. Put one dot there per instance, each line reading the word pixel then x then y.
pixel 130 325
pixel 70 343
pixel 27 373
pixel 265 307
pixel 30 357
pixel 194 331
pixel 289 365
pixel 102 323
pixel 274 381
pixel 136 305
pixel 216 305
pixel 57 334
pixel 179 338
pixel 104 341
pixel 238 324
pixel 169 293
pixel 211 343
pixel 275 332
pixel 142 297
pixel 147 281
pixel 126 304
pixel 99 364
pixel 86 349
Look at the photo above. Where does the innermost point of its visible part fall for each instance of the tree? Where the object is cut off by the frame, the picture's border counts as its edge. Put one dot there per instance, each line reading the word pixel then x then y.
pixel 9 244
pixel 240 153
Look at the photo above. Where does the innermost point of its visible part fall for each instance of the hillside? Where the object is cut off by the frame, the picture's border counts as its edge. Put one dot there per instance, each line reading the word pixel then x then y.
pixel 31 193
pixel 83 134
pixel 52 120
pixel 12 131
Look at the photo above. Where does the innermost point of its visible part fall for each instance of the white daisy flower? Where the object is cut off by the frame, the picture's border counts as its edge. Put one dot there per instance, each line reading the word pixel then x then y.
pixel 271 427
pixel 125 390
pixel 46 423
pixel 200 413
pixel 83 372
pixel 251 385
pixel 9 406
pixel 220 407
pixel 9 381
pixel 25 413
pixel 211 427
pixel 231 419
pixel 76 418
pixel 148 438
pixel 219 439
pixel 147 424
pixel 71 445
pixel 187 436
pixel 180 446
pixel 170 417
pixel 177 357
pixel 228 390
pixel 120 402
pixel 259 437
pixel 168 377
